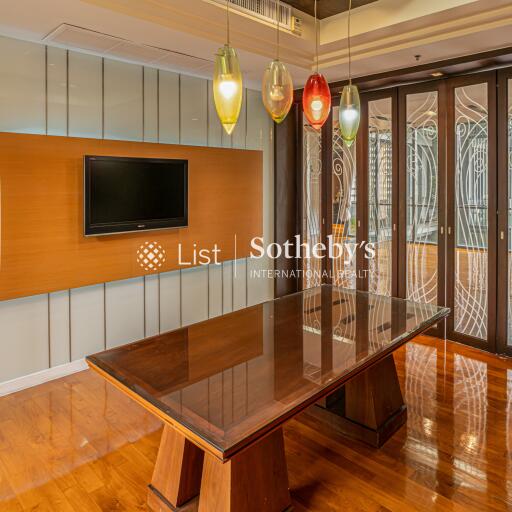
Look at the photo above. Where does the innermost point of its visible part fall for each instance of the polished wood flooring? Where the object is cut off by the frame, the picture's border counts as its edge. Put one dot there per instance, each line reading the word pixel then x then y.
pixel 77 444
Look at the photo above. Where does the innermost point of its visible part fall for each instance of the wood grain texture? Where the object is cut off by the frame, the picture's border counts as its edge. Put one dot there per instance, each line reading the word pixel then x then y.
pixel 41 186
pixel 179 464
pixel 77 445
pixel 254 480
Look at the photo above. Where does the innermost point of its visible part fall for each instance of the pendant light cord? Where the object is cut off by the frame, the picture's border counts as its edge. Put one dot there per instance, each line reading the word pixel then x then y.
pixel 227 19
pixel 278 25
pixel 349 44
pixel 316 38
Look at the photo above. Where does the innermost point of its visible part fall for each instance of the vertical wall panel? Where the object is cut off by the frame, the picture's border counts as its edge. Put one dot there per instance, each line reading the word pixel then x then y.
pixel 57 95
pixel 169 107
pixel 124 311
pixel 170 300
pixel 259 286
pixel 194 295
pixel 150 105
pixel 227 140
pixel 85 95
pixel 215 290
pixel 256 120
pixel 214 127
pixel 87 321
pixel 123 100
pixel 227 287
pixel 59 328
pixel 240 132
pixel 259 136
pixel 128 102
pixel 193 111
pixel 239 284
pixel 22 86
pixel 23 336
pixel 151 305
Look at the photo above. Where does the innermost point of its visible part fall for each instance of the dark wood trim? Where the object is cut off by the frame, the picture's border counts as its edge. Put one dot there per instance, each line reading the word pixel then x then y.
pixel 502 298
pixel 452 84
pixel 326 195
pixel 286 198
pixel 362 197
pixel 300 188
pixel 396 194
pixel 473 63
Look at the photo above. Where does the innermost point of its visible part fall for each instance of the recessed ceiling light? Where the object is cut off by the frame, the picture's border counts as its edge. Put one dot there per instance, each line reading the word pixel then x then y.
pixel 437 74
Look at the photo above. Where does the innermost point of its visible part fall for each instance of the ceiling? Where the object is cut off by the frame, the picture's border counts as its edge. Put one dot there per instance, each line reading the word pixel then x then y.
pixel 185 34
pixel 326 8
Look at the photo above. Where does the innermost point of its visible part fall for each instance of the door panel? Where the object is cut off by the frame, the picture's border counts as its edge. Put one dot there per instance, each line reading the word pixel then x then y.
pixel 423 189
pixel 472 218
pixel 378 190
pixel 504 306
pixel 380 194
pixel 344 205
pixel 311 203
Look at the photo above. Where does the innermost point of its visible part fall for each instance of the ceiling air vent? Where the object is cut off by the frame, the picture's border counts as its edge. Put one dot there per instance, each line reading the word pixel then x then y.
pixel 265 10
pixel 78 38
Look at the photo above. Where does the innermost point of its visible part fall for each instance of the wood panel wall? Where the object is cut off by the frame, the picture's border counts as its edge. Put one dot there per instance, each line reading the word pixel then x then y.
pixel 41 199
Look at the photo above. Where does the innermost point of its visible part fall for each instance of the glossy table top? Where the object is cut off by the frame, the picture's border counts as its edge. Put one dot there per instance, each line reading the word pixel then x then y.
pixel 229 379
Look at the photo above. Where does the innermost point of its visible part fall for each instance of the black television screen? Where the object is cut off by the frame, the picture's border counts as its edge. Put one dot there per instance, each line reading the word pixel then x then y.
pixel 134 194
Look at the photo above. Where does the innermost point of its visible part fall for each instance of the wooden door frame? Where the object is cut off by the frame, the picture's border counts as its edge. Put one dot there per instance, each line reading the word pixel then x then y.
pixel 502 299
pixel 438 86
pixel 326 195
pixel 452 84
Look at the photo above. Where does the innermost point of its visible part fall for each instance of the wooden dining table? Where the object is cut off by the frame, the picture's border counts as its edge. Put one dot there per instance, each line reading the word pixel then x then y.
pixel 223 389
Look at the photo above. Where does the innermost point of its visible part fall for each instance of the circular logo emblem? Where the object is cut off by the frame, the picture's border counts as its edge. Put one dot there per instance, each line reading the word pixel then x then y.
pixel 150 256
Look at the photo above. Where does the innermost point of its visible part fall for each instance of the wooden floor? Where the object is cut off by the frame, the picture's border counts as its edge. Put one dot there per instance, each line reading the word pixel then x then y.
pixel 77 444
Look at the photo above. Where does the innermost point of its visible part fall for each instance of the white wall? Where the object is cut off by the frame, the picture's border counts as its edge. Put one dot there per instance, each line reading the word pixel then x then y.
pixel 58 92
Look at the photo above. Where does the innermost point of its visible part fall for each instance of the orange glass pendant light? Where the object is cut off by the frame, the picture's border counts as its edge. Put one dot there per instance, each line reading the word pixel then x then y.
pixel 316 97
pixel 277 86
pixel 227 84
pixel 350 104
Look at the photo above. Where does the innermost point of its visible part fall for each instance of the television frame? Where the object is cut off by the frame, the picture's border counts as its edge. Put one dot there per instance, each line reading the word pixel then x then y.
pixel 116 228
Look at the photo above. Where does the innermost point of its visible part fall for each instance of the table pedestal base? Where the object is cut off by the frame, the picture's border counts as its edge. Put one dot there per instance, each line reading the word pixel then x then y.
pixel 254 480
pixel 177 475
pixel 369 408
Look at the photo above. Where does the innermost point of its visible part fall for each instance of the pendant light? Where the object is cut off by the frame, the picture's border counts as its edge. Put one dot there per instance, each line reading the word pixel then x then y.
pixel 350 105
pixel 227 83
pixel 277 86
pixel 316 98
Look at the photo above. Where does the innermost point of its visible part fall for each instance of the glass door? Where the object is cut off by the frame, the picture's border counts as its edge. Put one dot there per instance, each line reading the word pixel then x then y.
pixel 504 307
pixel 423 189
pixel 380 188
pixel 471 196
pixel 344 207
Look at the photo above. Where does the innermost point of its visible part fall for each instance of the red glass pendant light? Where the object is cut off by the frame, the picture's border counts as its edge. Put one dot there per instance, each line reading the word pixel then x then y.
pixel 316 98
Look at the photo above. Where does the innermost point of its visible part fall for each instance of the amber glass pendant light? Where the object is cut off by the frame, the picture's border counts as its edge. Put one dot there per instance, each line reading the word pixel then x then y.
pixel 277 86
pixel 316 98
pixel 350 104
pixel 227 84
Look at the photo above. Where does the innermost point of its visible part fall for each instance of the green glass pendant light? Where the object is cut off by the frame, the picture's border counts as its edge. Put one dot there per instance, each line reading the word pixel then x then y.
pixel 350 104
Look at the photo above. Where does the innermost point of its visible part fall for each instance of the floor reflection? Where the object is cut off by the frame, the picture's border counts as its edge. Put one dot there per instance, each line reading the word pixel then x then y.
pixel 78 445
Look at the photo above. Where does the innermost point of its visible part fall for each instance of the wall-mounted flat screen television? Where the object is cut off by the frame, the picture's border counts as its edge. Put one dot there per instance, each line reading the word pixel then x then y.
pixel 134 194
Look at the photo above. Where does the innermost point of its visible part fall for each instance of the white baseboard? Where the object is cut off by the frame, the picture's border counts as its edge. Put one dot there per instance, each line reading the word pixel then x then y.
pixel 34 379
